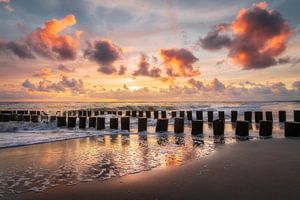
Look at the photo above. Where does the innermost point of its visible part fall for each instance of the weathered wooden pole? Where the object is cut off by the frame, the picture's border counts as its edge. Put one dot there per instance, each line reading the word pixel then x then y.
pixel 82 122
pixel 114 123
pixel 92 122
pixel 296 115
pixel 265 128
pixel 141 113
pixel 218 127
pixel 234 115
pixel 221 115
pixel 258 116
pixel 242 128
pixel 292 129
pixel 125 123
pixel 282 116
pixel 142 124
pixel 210 116
pixel 189 115
pixel 269 116
pixel 148 114
pixel 173 114
pixel 100 123
pixel 179 125
pixel 34 118
pixel 71 122
pixel 248 116
pixel 181 113
pixel 133 113
pixel 163 114
pixel 61 121
pixel 162 125
pixel 155 114
pixel 199 115
pixel 197 127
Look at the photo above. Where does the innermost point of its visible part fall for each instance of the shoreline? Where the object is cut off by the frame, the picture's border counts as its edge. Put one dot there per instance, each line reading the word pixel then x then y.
pixel 263 169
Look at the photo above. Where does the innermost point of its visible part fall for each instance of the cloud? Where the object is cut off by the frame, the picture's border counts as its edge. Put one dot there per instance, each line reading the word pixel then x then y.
pixel 179 62
pixel 258 36
pixel 43 73
pixel 66 84
pixel 105 53
pixel 18 49
pixel 214 40
pixel 49 42
pixel 122 70
pixel 7 5
pixel 143 68
pixel 65 68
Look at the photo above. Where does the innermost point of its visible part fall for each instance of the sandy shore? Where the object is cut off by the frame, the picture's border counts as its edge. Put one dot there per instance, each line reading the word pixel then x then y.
pixel 263 169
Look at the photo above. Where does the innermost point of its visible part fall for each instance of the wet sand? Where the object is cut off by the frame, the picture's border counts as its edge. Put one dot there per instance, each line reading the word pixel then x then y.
pixel 261 169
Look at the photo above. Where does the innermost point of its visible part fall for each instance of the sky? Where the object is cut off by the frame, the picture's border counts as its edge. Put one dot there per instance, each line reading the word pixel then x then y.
pixel 149 50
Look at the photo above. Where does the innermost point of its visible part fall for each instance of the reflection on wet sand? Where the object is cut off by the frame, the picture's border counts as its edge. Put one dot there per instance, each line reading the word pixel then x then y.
pixel 38 167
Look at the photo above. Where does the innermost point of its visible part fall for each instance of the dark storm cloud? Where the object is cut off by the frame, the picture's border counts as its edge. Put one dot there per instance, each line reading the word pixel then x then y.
pixel 18 49
pixel 105 53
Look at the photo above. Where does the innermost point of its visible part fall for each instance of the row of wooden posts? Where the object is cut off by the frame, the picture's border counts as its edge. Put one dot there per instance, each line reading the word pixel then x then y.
pixel 22 115
pixel 241 127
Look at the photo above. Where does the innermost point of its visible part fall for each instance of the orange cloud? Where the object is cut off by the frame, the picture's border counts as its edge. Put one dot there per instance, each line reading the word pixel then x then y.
pixel 179 62
pixel 49 42
pixel 43 73
pixel 259 36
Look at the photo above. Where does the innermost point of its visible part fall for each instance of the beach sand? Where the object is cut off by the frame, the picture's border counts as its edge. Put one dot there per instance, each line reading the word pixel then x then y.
pixel 259 169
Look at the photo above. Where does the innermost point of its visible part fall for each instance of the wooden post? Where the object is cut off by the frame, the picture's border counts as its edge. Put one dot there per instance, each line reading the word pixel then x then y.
pixel 258 116
pixel 71 122
pixel 61 121
pixel 248 116
pixel 181 113
pixel 218 127
pixel 189 115
pixel 163 114
pixel 242 128
pixel 125 123
pixel 197 127
pixel 221 115
pixel 269 116
pixel 234 115
pixel 162 125
pixel 265 128
pixel 142 124
pixel 292 129
pixel 296 115
pixel 173 114
pixel 114 123
pixel 27 118
pixel 92 122
pixel 82 122
pixel 199 115
pixel 133 113
pixel 141 114
pixel 179 125
pixel 282 116
pixel 148 114
pixel 100 123
pixel 210 116
pixel 155 114
pixel 34 118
